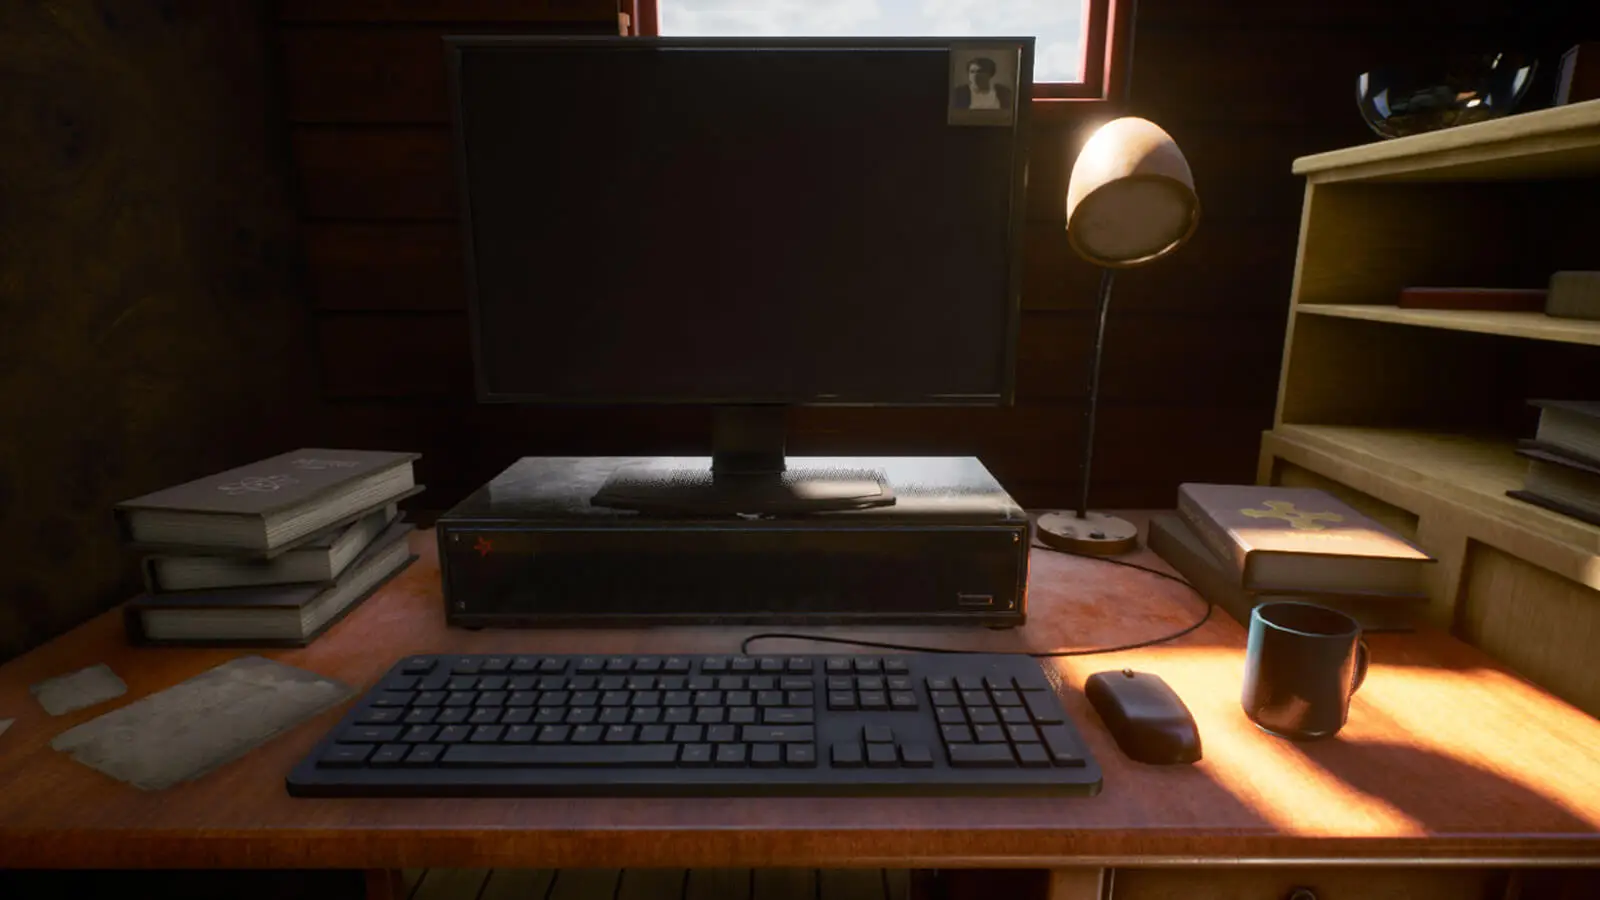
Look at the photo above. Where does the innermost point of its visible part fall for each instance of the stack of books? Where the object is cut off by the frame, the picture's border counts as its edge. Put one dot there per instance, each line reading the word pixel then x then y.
pixel 1241 545
pixel 268 554
pixel 1564 460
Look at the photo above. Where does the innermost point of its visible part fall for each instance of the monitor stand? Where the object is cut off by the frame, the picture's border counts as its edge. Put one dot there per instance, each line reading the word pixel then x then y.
pixel 747 476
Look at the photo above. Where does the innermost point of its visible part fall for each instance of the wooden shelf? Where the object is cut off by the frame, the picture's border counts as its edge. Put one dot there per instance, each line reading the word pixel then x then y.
pixel 1472 471
pixel 1562 141
pixel 1534 325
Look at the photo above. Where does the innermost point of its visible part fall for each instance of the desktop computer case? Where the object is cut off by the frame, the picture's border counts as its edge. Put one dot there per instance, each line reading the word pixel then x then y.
pixel 529 550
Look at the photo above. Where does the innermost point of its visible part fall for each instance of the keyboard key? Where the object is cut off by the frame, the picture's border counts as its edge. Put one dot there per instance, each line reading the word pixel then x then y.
pixel 581 715
pixel 585 698
pixel 868 664
pixel 1007 698
pixel 420 734
pixel 549 715
pixel 874 700
pixel 994 683
pixel 710 715
pixel 424 754
pixel 523 698
pixel 731 754
pixel 882 756
pixel 714 664
pixel 1014 715
pixel 591 664
pixel 496 664
pixel 787 716
pixel 619 664
pixel 1063 749
pixel 836 664
pixel 896 665
pixel 944 698
pixel 417 665
pixel 800 698
pixel 345 756
pixel 647 664
pixel 460 698
pixel 741 698
pixel 646 698
pixel 869 683
pixel 742 664
pixel 587 734
pixel 769 664
pixel 677 715
pixel 453 716
pixel 484 716
pixel 950 715
pixel 899 683
pixel 902 700
pixel 940 684
pixel 842 700
pixel 969 683
pixel 524 664
pixel 654 734
pixel 552 683
pixel 800 756
pixel 465 665
pixel 1022 734
pixel 742 715
pixel 841 683
pixel 797 664
pixel 989 734
pixel 554 734
pixel 983 716
pixel 640 683
pixel 1033 756
pixel 769 698
pixel 394 698
pixel 708 698
pixel 766 756
pixel 981 756
pixel 970 698
pixel 369 734
pixel 462 683
pixel 784 734
pixel 956 734
pixel 453 734
pixel 400 683
pixel 688 734
pixel 549 664
pixel 645 715
pixel 1030 683
pixel 795 684
pixel 1044 707
pixel 535 755
pixel 846 756
pixel 522 715
pixel 722 734
pixel 915 756
pixel 430 698
pixel 877 734
pixel 521 734
pixel 492 683
pixel 380 715
pixel 695 755
pixel 616 698
pixel 523 683
pixel 620 734
pixel 420 716
pixel 487 734
pixel 675 665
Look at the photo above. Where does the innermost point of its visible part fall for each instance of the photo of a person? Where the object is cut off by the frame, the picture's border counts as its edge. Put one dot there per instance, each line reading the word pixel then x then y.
pixel 981 91
pixel 983 86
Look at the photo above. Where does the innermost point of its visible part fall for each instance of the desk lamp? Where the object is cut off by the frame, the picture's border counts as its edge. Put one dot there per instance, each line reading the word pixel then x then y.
pixel 1130 202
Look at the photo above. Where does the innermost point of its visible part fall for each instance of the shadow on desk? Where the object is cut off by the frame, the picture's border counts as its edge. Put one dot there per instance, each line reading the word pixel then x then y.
pixel 272 884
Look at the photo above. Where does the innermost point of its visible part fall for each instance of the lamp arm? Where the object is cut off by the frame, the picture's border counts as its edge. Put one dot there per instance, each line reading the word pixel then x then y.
pixel 1103 303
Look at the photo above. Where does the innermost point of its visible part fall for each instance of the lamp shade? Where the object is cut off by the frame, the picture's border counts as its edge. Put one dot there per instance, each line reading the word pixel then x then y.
pixel 1131 199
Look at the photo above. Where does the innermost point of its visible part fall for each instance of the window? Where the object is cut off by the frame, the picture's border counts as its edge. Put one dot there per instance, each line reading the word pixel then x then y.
pixel 1075 39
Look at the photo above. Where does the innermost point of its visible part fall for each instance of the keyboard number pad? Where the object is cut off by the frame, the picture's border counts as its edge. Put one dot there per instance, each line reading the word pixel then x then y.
pixel 1001 723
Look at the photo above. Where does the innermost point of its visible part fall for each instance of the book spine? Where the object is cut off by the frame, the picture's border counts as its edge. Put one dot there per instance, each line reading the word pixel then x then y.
pixel 1206 576
pixel 1216 538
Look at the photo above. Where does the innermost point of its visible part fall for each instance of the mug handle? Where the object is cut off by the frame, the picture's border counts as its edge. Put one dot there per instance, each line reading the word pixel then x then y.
pixel 1361 664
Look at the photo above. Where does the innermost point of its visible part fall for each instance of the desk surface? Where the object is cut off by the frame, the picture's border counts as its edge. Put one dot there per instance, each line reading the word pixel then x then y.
pixel 1446 758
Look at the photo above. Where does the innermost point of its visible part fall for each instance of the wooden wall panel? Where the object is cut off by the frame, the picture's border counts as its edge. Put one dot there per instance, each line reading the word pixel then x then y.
pixel 384 266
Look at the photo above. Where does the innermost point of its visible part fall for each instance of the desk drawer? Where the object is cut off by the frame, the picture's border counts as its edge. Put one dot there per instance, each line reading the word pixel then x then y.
pixel 1318 883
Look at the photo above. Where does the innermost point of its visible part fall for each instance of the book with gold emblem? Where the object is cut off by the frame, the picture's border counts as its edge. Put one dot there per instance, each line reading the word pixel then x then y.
pixel 1301 539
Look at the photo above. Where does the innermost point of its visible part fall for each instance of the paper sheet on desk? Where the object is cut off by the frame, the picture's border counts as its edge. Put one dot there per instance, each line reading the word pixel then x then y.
pixel 191 728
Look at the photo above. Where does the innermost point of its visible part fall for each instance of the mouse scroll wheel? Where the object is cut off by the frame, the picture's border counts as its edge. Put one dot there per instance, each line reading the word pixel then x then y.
pixel 1127 673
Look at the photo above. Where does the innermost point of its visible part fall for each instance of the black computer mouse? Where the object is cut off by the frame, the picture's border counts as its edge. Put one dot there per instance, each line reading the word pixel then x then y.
pixel 1147 718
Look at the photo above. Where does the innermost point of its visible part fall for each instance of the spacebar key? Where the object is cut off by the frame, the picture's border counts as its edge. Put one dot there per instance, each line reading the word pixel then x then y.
pixel 587 756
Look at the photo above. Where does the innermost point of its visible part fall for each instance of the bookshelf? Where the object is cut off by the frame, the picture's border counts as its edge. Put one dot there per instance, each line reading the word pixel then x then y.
pixel 1412 415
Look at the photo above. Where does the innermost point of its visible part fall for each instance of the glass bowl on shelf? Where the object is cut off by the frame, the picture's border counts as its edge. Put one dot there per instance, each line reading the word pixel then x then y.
pixel 1400 100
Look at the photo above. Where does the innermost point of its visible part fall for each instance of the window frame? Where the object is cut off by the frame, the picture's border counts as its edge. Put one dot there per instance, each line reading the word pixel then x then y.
pixel 1107 52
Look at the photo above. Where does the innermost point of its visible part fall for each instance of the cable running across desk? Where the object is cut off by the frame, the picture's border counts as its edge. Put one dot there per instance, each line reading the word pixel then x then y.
pixel 744 645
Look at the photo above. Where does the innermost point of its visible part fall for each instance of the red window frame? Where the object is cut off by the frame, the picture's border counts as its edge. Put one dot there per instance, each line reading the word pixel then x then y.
pixel 1107 46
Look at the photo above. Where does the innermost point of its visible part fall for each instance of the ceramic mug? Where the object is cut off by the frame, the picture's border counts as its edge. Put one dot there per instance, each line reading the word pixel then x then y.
pixel 1302 665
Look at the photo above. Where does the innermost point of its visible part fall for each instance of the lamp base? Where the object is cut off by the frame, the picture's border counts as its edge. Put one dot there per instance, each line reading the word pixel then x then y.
pixel 1093 534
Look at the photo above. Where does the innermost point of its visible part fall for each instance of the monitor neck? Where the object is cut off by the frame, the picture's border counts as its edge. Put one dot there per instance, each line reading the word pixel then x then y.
pixel 748 440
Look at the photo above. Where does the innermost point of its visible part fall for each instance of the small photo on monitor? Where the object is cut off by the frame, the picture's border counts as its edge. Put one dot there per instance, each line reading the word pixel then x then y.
pixel 983 84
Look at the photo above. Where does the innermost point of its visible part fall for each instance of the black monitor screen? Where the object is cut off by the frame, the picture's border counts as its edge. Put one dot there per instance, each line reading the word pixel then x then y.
pixel 712 221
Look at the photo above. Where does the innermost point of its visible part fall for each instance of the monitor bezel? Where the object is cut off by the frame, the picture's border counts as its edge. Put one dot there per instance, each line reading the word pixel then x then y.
pixel 457 44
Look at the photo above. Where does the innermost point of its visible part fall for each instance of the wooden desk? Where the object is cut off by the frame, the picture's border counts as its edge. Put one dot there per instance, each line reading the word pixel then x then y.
pixel 1448 760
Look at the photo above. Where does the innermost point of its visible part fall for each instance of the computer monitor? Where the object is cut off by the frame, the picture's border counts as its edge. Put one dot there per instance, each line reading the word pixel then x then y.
pixel 751 224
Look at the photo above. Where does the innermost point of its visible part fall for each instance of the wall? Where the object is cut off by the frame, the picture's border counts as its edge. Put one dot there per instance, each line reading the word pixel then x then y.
pixel 151 330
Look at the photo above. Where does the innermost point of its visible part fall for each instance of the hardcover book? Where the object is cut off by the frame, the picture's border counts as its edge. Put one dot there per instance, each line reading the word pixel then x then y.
pixel 1570 425
pixel 1300 539
pixel 269 505
pixel 1174 541
pixel 275 615
pixel 319 560
pixel 1561 482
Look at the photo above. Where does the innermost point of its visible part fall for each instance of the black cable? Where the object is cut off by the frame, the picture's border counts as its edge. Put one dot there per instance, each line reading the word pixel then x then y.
pixel 744 645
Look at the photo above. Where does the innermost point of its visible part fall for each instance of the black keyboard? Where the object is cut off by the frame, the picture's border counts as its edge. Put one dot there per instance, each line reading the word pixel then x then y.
pixel 500 726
